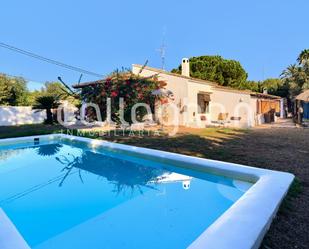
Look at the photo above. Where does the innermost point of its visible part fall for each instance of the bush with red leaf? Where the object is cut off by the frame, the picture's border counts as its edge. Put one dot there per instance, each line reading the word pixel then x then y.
pixel 132 88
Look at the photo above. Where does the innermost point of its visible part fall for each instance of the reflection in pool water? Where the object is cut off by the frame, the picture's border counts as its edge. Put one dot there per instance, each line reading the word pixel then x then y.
pixel 124 175
pixel 66 195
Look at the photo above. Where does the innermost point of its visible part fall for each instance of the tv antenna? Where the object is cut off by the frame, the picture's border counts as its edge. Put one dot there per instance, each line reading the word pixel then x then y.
pixel 162 50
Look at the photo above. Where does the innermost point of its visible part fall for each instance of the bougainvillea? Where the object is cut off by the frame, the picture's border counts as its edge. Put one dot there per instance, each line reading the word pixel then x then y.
pixel 132 88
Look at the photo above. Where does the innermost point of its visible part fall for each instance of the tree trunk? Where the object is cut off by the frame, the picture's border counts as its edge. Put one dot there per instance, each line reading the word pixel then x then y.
pixel 49 116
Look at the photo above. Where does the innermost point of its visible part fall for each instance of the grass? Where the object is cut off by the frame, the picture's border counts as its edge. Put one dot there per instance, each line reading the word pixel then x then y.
pixel 28 130
pixel 276 149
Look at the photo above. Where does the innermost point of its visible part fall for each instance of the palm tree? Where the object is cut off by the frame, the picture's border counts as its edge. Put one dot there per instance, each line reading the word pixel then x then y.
pixel 294 77
pixel 48 149
pixel 123 174
pixel 47 102
pixel 303 58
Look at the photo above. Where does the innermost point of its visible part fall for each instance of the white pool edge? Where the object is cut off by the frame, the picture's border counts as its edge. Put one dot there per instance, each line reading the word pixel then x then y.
pixel 243 225
pixel 10 238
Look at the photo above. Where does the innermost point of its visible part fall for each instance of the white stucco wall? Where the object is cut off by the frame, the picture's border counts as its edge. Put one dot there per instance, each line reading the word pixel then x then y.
pixel 256 118
pixel 185 90
pixel 236 104
pixel 17 115
pixel 193 89
pixel 175 84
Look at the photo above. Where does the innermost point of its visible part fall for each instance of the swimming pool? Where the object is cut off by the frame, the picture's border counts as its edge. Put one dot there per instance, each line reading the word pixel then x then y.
pixel 60 191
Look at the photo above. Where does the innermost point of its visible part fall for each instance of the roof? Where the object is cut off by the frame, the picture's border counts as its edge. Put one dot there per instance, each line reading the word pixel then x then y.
pixel 304 96
pixel 90 83
pixel 123 76
pixel 264 95
pixel 175 74
pixel 206 82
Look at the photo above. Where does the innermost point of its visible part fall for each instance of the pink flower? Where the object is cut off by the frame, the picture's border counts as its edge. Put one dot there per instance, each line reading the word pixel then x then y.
pixel 114 94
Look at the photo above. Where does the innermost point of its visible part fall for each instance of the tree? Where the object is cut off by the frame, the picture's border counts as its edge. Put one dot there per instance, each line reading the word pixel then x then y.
pixel 47 102
pixel 275 86
pixel 303 57
pixel 251 85
pixel 124 175
pixel 32 96
pixel 48 149
pixel 13 91
pixel 55 89
pixel 296 78
pixel 59 91
pixel 4 90
pixel 303 60
pixel 131 88
pixel 215 68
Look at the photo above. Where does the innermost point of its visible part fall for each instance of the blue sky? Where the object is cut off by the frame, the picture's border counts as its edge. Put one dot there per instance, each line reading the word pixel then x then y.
pixel 265 35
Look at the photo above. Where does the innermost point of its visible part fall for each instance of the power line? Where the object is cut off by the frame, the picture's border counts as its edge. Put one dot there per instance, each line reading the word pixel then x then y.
pixel 54 62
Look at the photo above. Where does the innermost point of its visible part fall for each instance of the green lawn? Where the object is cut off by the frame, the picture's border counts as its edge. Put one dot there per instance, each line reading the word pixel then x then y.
pixel 28 130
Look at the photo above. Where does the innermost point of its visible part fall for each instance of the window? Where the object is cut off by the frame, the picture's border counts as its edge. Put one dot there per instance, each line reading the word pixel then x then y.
pixel 203 102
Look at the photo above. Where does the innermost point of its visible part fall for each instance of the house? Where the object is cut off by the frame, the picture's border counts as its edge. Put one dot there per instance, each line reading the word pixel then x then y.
pixel 202 103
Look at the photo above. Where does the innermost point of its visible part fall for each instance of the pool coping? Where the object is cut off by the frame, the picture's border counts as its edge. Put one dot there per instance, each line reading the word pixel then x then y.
pixel 9 236
pixel 242 226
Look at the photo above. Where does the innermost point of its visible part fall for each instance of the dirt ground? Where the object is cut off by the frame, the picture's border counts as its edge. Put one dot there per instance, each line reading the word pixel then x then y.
pixel 284 149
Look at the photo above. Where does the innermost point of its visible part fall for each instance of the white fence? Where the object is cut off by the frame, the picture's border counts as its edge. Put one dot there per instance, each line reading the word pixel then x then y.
pixel 17 115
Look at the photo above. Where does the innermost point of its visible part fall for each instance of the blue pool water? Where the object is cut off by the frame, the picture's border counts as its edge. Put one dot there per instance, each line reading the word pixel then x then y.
pixel 68 195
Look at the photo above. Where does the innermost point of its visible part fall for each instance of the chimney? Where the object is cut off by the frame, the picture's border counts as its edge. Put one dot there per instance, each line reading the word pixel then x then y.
pixel 265 91
pixel 185 67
